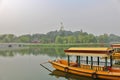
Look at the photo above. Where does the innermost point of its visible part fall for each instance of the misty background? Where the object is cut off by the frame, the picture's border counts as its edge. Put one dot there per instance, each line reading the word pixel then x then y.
pixel 41 16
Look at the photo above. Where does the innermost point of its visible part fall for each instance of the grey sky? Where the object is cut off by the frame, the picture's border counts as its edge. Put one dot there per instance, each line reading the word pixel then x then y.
pixel 41 16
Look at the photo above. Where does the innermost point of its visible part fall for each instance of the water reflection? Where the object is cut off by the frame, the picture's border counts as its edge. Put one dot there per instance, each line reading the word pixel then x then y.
pixel 52 52
pixel 24 64
pixel 68 76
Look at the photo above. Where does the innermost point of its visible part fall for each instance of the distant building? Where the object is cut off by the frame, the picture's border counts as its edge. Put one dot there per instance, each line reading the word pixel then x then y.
pixel 62 27
pixel 35 41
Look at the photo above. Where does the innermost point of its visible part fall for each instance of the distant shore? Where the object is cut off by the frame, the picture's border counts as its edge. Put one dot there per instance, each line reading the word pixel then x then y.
pixel 68 45
pixel 16 45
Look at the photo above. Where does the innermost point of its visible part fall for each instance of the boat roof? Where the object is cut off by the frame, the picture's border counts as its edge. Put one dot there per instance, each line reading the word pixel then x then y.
pixel 100 52
pixel 115 45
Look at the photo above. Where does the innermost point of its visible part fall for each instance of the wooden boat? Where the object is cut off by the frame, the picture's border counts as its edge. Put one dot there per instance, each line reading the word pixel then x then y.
pixel 116 54
pixel 88 69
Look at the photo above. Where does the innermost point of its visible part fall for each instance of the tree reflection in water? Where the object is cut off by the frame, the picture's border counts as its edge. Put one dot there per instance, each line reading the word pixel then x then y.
pixel 52 52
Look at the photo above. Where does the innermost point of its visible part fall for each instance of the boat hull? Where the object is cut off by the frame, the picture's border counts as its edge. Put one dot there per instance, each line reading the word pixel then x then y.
pixel 86 72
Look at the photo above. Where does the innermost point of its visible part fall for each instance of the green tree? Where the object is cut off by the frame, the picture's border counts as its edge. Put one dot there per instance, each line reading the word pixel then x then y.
pixel 103 38
pixel 59 40
pixel 114 38
pixel 92 38
pixel 24 39
pixel 7 38
pixel 71 39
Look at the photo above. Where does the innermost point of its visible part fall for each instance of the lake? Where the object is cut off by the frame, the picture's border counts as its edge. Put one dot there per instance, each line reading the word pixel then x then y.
pixel 24 64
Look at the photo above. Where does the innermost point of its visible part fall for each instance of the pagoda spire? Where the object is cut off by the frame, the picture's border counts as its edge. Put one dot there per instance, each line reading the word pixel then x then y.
pixel 62 27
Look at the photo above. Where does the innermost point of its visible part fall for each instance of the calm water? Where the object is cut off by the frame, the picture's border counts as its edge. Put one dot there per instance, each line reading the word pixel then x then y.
pixel 24 64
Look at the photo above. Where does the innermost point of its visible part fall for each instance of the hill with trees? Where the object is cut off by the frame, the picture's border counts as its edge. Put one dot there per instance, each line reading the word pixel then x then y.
pixel 60 37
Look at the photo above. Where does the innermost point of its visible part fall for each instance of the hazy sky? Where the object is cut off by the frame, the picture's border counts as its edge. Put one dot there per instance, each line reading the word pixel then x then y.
pixel 41 16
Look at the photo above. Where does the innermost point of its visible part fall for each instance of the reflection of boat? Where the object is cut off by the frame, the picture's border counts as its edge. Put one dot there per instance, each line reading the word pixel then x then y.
pixel 88 69
pixel 58 73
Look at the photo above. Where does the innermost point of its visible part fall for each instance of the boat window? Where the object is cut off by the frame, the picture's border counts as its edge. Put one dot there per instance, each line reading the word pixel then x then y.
pixel 118 49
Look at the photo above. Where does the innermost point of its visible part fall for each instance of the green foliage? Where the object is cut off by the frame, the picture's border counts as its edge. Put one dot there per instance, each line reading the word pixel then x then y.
pixel 103 38
pixel 114 38
pixel 7 38
pixel 24 38
pixel 60 37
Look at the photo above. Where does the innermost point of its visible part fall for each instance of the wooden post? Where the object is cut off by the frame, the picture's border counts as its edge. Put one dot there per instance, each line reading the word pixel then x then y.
pixel 91 62
pixel 111 60
pixel 98 60
pixel 68 60
pixel 78 61
pixel 106 63
pixel 86 59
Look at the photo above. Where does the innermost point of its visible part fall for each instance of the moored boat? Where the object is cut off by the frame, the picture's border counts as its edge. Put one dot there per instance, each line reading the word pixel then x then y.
pixel 116 54
pixel 88 69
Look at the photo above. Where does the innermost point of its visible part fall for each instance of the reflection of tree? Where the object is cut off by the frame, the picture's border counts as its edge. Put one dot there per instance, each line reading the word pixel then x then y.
pixel 12 53
pixel 53 52
pixel 60 52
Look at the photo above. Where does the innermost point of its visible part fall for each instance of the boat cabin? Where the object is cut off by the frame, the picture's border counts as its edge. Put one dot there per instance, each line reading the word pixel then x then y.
pixel 116 54
pixel 116 47
pixel 90 52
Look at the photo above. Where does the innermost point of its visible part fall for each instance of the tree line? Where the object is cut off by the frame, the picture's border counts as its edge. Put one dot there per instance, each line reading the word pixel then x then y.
pixel 60 37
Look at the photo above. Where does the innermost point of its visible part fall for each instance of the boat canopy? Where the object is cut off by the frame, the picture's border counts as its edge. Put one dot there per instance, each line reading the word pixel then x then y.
pixel 99 52
pixel 115 45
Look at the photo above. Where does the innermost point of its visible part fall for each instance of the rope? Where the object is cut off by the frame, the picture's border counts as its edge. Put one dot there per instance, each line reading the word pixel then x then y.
pixel 45 67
